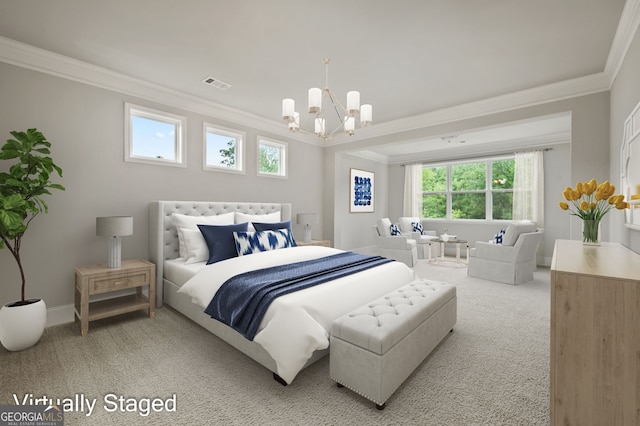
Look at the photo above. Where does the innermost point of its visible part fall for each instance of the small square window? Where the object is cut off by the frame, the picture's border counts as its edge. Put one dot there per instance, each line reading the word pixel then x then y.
pixel 154 137
pixel 223 149
pixel 272 158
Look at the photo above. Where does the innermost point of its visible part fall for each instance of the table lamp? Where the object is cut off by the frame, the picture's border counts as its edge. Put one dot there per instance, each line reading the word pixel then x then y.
pixel 307 219
pixel 114 227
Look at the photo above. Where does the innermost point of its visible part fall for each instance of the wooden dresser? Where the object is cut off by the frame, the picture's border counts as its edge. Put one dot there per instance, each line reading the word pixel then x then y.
pixel 595 335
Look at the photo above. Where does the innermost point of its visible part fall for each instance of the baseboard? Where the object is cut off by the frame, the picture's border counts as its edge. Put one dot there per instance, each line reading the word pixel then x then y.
pixel 59 315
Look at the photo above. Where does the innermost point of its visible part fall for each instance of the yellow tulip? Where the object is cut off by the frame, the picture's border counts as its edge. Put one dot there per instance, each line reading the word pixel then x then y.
pixel 575 195
pixel 623 205
pixel 580 188
pixel 593 205
pixel 593 184
pixel 563 205
pixel 584 205
pixel 567 194
pixel 599 195
pixel 612 189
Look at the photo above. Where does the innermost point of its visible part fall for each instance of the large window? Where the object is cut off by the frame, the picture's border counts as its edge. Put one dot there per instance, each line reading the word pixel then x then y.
pixel 468 190
pixel 272 158
pixel 154 137
pixel 223 149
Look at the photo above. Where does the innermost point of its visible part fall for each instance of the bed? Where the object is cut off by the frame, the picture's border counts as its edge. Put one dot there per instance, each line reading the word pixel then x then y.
pixel 278 346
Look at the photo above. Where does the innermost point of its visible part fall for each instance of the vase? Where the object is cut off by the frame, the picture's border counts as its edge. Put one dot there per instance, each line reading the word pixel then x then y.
pixel 22 323
pixel 591 232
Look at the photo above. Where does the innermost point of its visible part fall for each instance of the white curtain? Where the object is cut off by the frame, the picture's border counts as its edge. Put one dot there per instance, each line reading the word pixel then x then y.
pixel 528 190
pixel 413 190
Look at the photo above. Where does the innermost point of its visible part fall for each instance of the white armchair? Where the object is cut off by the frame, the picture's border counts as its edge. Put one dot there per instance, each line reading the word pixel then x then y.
pixel 422 240
pixel 398 247
pixel 513 261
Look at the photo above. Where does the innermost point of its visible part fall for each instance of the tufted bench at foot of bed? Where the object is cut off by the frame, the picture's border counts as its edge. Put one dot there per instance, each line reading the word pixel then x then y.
pixel 377 346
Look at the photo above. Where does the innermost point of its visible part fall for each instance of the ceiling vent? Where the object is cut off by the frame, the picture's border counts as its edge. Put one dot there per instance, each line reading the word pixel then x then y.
pixel 216 83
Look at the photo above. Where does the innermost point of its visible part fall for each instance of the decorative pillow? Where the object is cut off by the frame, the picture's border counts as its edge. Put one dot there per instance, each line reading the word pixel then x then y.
pixel 220 240
pixel 271 226
pixel 383 227
pixel 253 242
pixel 263 218
pixel 417 227
pixel 497 239
pixel 195 246
pixel 183 221
pixel 394 230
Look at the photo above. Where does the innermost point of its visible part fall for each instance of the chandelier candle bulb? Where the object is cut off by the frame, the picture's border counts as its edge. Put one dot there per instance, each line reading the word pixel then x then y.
pixel 320 125
pixel 315 100
pixel 366 115
pixel 288 108
pixel 353 102
pixel 350 125
pixel 294 124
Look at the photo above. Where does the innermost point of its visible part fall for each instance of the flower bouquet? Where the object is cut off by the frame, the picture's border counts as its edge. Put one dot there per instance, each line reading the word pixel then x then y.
pixel 590 202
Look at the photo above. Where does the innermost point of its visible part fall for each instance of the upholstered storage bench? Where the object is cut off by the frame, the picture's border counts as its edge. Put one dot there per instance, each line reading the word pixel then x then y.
pixel 376 347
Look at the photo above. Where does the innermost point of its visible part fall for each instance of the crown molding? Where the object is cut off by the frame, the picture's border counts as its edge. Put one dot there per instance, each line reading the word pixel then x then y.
pixel 567 89
pixel 626 31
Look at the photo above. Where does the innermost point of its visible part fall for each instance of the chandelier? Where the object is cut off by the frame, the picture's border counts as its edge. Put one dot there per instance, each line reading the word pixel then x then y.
pixel 323 103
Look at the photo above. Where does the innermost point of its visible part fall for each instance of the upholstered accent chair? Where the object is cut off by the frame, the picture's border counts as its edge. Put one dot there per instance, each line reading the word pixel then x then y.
pixel 408 227
pixel 513 261
pixel 398 247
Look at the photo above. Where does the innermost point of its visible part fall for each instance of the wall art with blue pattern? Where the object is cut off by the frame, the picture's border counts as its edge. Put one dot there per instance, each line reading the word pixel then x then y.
pixel 361 195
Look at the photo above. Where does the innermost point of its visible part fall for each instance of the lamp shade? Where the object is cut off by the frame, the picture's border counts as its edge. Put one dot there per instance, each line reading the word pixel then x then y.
pixel 307 218
pixel 114 226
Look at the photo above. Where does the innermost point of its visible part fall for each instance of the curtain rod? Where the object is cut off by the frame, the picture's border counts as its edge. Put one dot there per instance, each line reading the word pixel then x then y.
pixel 473 157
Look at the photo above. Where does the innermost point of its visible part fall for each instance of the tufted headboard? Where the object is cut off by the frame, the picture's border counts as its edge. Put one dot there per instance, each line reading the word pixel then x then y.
pixel 163 236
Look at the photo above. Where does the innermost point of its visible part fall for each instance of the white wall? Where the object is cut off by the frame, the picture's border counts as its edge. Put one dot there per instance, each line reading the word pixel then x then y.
pixel 625 95
pixel 85 126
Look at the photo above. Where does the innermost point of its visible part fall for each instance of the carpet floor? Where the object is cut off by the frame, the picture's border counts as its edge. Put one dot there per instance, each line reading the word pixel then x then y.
pixel 492 370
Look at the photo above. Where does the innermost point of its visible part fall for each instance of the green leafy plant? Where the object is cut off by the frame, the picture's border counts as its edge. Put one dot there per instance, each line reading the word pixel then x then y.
pixel 22 188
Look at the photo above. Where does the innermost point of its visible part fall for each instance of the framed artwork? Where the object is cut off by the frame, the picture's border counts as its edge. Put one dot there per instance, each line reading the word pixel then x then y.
pixel 361 191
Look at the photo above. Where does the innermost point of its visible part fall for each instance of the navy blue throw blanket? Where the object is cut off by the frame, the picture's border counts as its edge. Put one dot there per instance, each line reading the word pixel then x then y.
pixel 242 301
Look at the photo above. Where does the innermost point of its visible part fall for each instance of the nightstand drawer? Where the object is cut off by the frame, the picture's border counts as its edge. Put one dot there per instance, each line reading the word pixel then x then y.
pixel 104 284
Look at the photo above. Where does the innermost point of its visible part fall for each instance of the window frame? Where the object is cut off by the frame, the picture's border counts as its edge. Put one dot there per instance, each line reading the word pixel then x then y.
pixel 180 144
pixel 488 190
pixel 284 157
pixel 240 138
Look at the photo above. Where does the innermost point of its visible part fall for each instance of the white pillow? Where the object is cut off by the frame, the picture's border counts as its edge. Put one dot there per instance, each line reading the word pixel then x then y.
pixel 183 221
pixel 262 218
pixel 196 249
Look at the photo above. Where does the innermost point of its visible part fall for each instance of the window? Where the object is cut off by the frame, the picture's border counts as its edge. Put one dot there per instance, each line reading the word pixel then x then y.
pixel 272 158
pixel 223 149
pixel 469 190
pixel 154 137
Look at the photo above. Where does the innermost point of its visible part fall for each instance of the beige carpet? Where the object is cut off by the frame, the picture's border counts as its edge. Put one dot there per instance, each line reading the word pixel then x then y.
pixel 492 370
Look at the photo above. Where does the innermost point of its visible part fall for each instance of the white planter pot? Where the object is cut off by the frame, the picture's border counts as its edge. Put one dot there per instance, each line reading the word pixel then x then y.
pixel 21 326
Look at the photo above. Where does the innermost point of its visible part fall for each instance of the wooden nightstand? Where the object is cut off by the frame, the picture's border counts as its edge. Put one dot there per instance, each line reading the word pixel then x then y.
pixel 98 279
pixel 323 243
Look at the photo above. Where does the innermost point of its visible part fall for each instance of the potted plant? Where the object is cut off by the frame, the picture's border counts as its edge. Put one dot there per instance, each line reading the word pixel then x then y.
pixel 21 190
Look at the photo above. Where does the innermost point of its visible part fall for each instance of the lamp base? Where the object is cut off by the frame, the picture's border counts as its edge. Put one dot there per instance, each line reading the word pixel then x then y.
pixel 307 233
pixel 115 258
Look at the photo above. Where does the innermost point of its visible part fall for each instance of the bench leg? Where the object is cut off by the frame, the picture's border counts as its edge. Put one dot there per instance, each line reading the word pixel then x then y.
pixel 339 385
pixel 381 407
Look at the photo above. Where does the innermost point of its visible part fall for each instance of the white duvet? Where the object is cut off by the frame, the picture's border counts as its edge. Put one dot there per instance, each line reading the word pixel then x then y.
pixel 299 323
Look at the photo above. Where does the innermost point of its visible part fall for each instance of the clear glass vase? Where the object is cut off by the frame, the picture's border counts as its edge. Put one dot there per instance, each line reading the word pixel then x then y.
pixel 591 232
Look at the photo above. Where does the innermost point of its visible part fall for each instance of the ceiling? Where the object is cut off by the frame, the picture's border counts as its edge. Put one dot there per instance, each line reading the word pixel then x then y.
pixel 407 58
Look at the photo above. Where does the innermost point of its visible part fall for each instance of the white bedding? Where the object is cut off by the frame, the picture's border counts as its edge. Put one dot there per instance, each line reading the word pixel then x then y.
pixel 178 272
pixel 297 324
